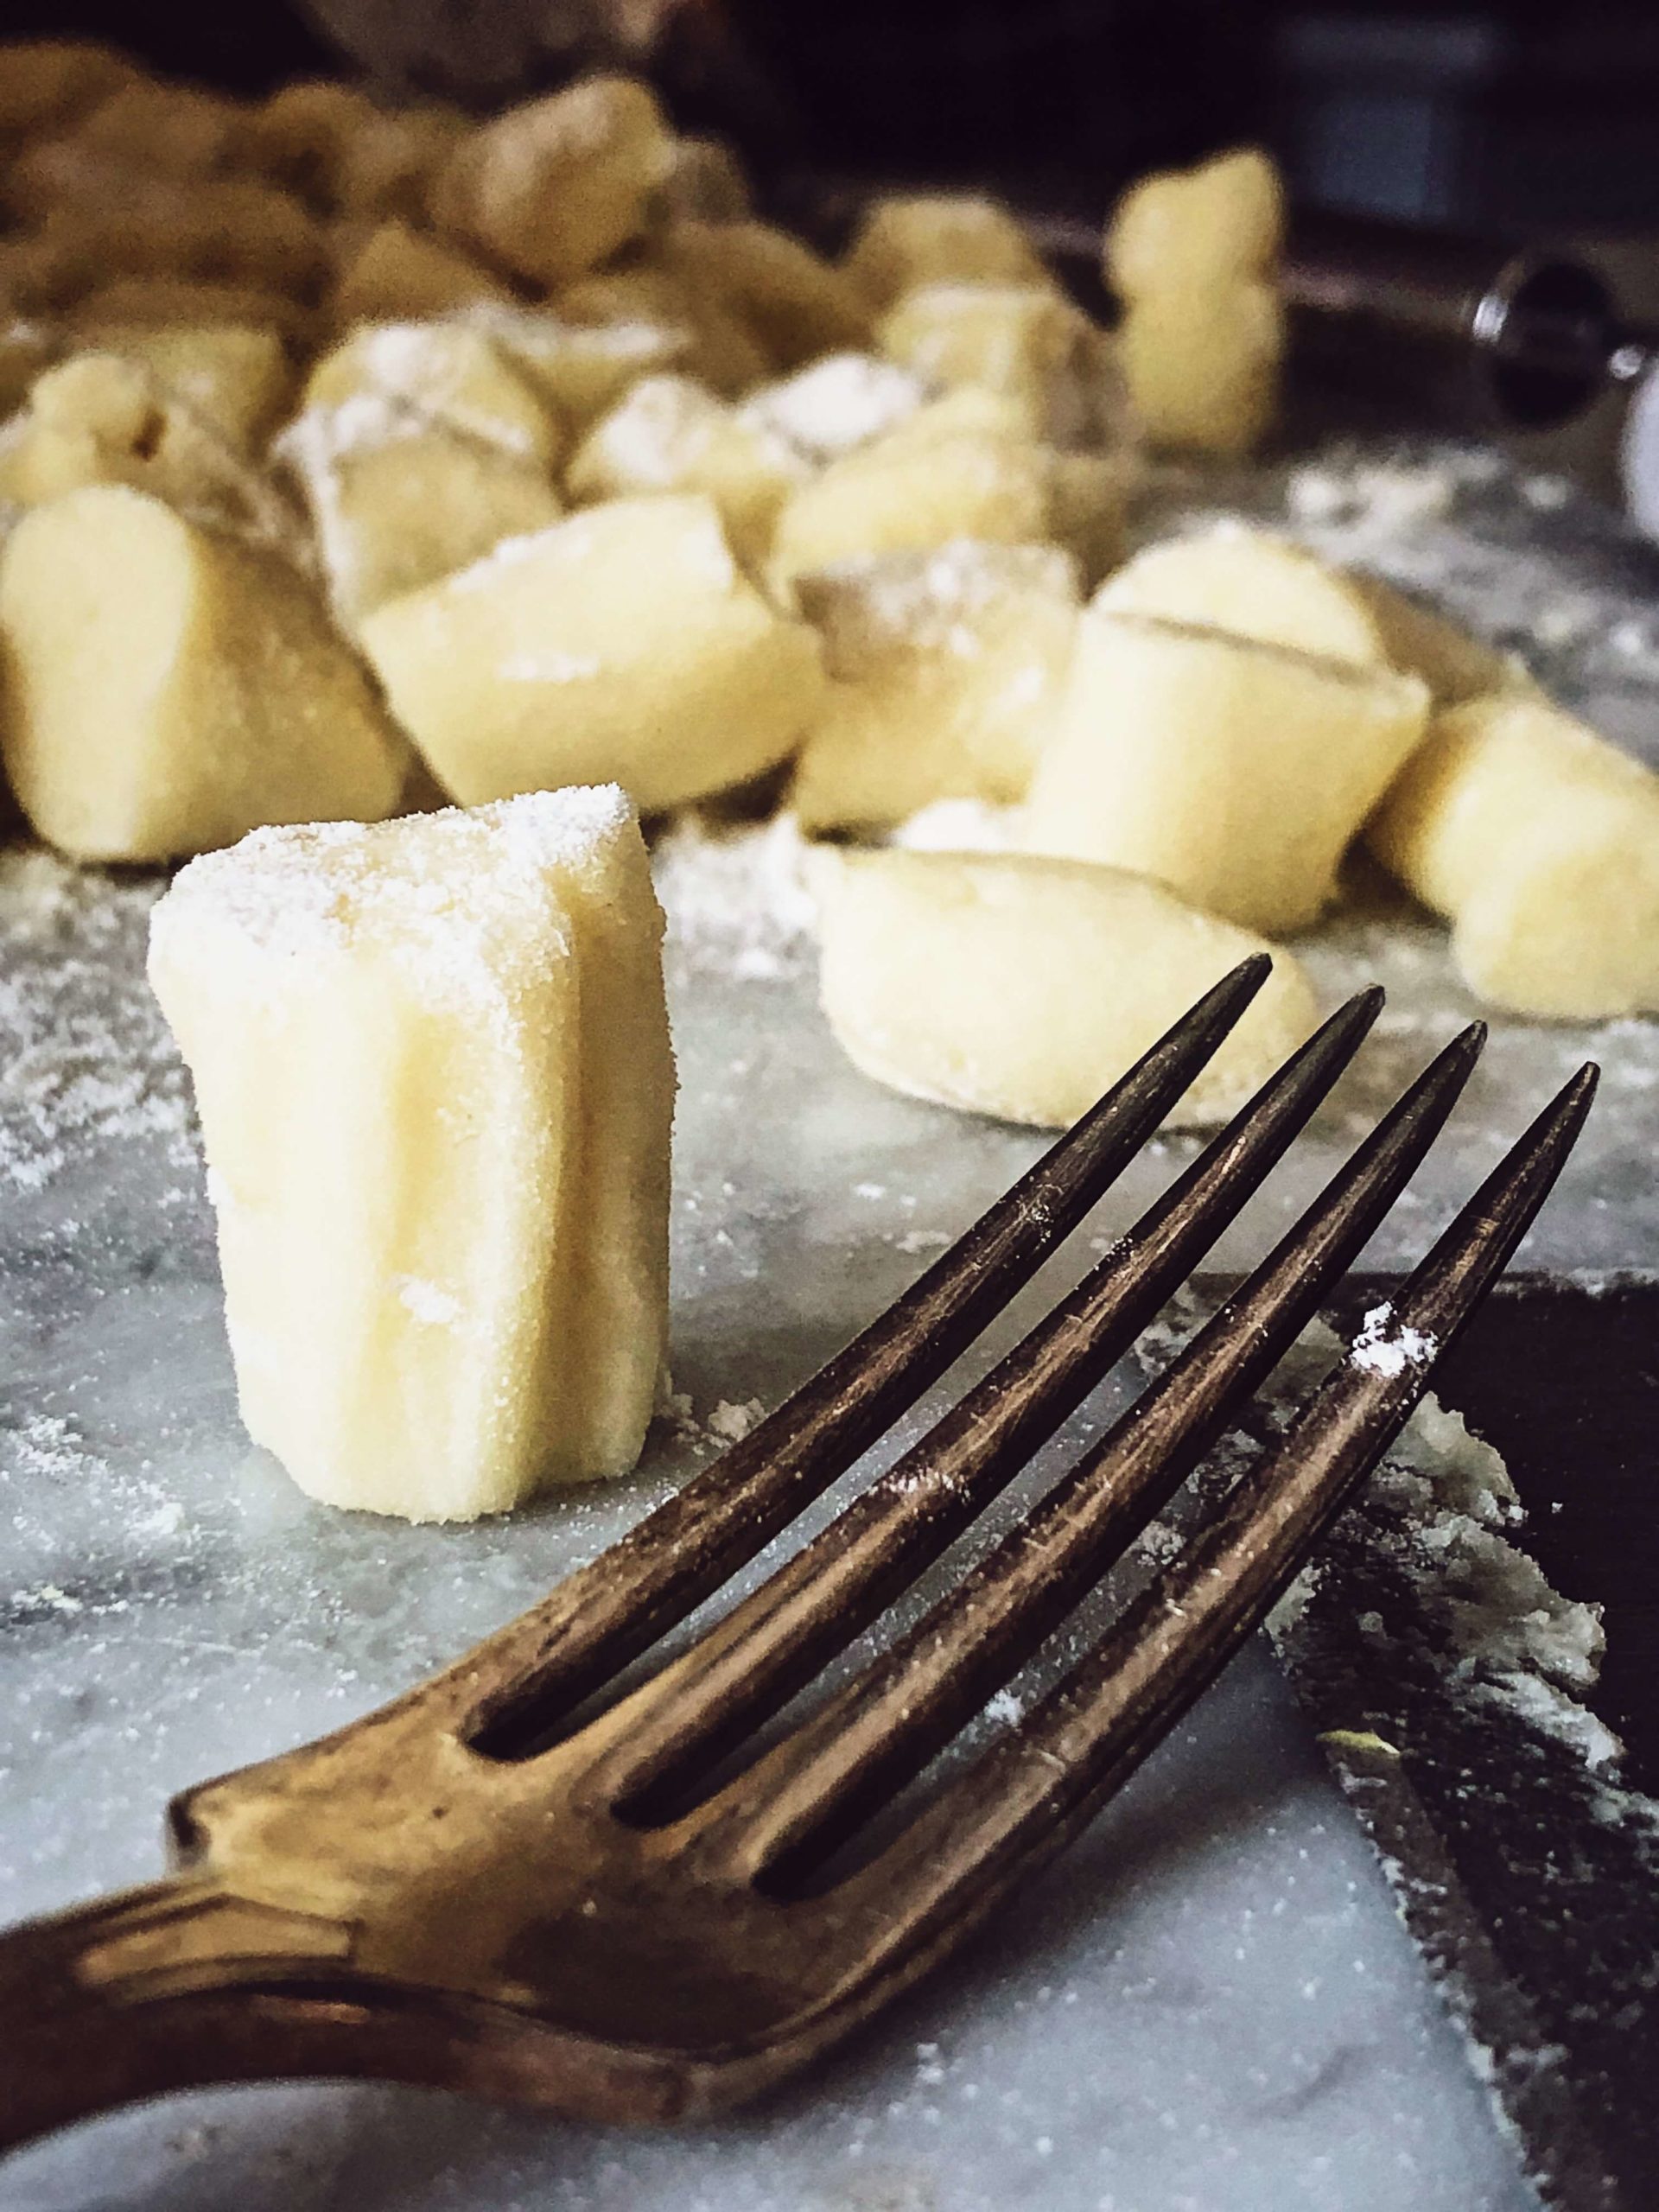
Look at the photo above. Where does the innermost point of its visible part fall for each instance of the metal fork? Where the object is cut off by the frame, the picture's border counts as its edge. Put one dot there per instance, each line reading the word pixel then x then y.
pixel 503 1883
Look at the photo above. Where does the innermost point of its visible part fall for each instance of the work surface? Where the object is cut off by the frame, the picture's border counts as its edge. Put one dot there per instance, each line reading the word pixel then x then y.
pixel 1208 2007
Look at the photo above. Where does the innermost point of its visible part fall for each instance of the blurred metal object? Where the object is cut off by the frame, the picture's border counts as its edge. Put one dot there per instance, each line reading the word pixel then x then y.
pixel 1453 333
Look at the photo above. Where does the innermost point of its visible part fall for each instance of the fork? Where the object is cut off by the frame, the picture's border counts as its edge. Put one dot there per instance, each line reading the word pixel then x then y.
pixel 544 1878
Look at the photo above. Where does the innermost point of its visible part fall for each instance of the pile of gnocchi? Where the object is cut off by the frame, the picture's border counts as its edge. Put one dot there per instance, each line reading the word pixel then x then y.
pixel 359 461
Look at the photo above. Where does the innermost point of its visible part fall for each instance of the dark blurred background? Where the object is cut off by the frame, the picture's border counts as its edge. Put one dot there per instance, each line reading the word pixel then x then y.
pixel 1504 117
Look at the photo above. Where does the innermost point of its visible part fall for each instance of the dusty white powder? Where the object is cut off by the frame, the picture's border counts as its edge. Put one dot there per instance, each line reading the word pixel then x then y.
pixel 548 666
pixel 736 900
pixel 1383 1347
pixel 430 1304
pixel 836 406
pixel 86 1060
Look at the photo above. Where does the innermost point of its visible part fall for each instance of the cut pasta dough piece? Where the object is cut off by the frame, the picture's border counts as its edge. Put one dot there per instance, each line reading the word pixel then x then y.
pixel 671 434
pixel 945 238
pixel 432 1064
pixel 447 372
pixel 553 187
pixel 945 670
pixel 1236 771
pixel 623 643
pixel 102 419
pixel 836 405
pixel 46 81
pixel 1540 841
pixel 1255 586
pixel 239 379
pixel 397 501
pixel 581 368
pixel 793 303
pixel 1025 341
pixel 397 275
pixel 1024 988
pixel 168 689
pixel 952 470
pixel 1192 257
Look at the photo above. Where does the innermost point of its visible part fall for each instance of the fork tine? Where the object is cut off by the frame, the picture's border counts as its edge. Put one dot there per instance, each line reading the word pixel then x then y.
pixel 880 1730
pixel 1044 1781
pixel 603 1616
pixel 752 1662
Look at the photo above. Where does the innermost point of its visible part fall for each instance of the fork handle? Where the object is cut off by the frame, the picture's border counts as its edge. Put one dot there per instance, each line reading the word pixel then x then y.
pixel 149 1991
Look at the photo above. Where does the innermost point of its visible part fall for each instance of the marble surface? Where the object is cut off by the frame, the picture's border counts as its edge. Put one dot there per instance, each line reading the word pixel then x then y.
pixel 1210 2006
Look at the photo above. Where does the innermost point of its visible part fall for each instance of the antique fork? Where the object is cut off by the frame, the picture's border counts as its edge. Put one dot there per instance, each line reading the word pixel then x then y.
pixel 505 1882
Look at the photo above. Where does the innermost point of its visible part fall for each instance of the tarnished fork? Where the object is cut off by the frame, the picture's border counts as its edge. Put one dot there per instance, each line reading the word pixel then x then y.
pixel 656 1905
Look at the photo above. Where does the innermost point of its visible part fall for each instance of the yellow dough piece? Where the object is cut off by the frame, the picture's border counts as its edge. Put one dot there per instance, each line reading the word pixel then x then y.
pixel 1540 841
pixel 580 368
pixel 793 303
pixel 1254 585
pixel 164 302
pixel 432 1064
pixel 1236 771
pixel 397 275
pixel 398 500
pixel 100 418
pixel 446 372
pixel 671 434
pixel 1192 255
pixel 951 238
pixel 945 670
pixel 1422 641
pixel 168 689
pixel 952 470
pixel 330 144
pixel 173 130
pixel 1024 988
pixel 624 644
pixel 1025 341
pixel 837 404
pixel 714 344
pixel 26 350
pixel 45 82
pixel 553 187
pixel 706 183
pixel 239 379
pixel 128 223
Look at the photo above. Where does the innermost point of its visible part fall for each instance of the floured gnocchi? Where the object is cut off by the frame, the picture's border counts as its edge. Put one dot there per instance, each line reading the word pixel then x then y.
pixel 168 688
pixel 432 1064
pixel 626 635
pixel 1024 988
pixel 1238 773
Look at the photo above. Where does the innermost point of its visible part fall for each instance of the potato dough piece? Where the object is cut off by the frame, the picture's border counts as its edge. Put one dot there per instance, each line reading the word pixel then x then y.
pixel 446 372
pixel 794 303
pixel 713 343
pixel 1255 586
pixel 397 502
pixel 126 222
pixel 1025 341
pixel 945 670
pixel 939 475
pixel 836 405
pixel 1236 771
pixel 706 183
pixel 1190 254
pixel 398 275
pixel 581 369
pixel 43 82
pixel 173 130
pixel 951 239
pixel 623 643
pixel 158 302
pixel 1541 842
pixel 331 144
pixel 433 1069
pixel 671 434
pixel 101 419
pixel 1454 665
pixel 168 689
pixel 239 379
pixel 551 188
pixel 1025 988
